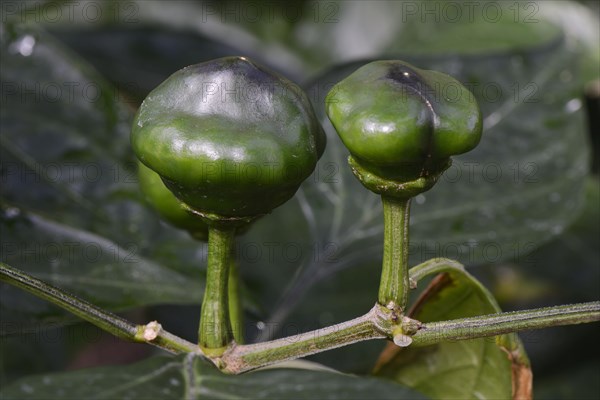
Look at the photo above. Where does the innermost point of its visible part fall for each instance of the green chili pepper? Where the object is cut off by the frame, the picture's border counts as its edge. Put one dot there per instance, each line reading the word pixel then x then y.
pixel 230 138
pixel 401 127
pixel 168 206
pixel 402 124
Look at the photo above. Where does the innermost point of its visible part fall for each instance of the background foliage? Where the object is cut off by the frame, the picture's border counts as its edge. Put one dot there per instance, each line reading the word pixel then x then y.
pixel 520 211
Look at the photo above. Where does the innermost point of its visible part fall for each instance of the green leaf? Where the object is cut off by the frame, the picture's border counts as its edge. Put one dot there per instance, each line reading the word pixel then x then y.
pixel 71 211
pixel 138 60
pixel 190 377
pixel 484 368
pixel 303 38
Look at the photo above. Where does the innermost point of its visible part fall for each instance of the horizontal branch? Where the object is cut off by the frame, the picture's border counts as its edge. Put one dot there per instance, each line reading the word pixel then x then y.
pixel 151 333
pixel 501 323
pixel 373 325
pixel 381 323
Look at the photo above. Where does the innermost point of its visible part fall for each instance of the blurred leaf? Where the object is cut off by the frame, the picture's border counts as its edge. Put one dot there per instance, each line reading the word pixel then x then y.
pixel 572 261
pixel 581 24
pixel 138 60
pixel 568 268
pixel 304 37
pixel 190 377
pixel 487 368
pixel 580 382
pixel 71 213
pixel 59 347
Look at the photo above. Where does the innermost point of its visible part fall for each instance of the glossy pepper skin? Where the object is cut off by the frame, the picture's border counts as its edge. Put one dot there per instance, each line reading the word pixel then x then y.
pixel 401 123
pixel 229 138
pixel 168 206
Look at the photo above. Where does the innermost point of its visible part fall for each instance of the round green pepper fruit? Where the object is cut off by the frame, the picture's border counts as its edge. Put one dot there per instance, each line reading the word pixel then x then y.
pixel 230 138
pixel 168 206
pixel 402 124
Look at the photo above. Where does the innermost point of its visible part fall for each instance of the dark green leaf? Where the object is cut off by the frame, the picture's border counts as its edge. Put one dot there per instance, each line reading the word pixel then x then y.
pixel 189 377
pixel 563 270
pixel 71 211
pixel 138 60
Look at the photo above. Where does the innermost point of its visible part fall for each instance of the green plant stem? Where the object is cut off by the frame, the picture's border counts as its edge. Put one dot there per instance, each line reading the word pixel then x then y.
pixel 236 314
pixel 501 323
pixel 379 323
pixel 373 325
pixel 89 312
pixel 214 332
pixel 394 284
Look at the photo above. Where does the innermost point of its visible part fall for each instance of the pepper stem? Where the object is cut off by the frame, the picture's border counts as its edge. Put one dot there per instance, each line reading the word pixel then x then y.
pixel 236 314
pixel 394 284
pixel 215 332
